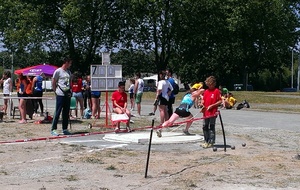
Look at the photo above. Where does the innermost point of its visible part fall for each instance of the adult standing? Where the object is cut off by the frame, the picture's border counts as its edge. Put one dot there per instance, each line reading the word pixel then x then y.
pixel 61 86
pixel 169 74
pixel 138 91
pixel 7 88
pixel 22 102
pixel 164 89
pixel 87 103
pixel 37 88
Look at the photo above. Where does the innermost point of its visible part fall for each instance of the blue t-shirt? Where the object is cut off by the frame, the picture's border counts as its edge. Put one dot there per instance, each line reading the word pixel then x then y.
pixel 187 99
pixel 39 83
pixel 172 81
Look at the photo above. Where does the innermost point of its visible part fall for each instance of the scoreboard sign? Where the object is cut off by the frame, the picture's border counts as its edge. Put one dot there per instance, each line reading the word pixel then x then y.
pixel 105 77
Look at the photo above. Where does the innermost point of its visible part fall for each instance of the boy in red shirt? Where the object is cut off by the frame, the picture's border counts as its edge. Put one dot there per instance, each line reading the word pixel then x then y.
pixel 210 102
pixel 119 101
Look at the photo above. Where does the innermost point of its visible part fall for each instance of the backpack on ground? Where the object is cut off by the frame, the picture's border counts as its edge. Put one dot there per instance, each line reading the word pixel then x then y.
pixel 87 113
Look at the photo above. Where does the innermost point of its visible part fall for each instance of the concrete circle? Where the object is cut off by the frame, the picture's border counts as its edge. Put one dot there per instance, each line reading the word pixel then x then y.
pixel 143 138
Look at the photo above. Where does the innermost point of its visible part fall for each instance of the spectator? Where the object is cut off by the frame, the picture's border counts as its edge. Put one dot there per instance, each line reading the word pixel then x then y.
pixel 210 102
pixel 77 93
pixel 229 101
pixel 169 74
pixel 164 89
pixel 29 102
pixel 95 97
pixel 138 91
pixel 119 101
pixel 131 94
pixel 61 86
pixel 37 88
pixel 87 92
pixel 7 89
pixel 22 102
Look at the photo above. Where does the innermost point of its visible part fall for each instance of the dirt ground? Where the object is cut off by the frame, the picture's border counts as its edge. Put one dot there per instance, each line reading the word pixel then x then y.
pixel 268 161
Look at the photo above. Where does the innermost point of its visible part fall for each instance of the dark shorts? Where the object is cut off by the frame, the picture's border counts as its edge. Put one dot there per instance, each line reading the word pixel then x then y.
pixel 22 95
pixel 182 111
pixel 172 100
pixel 163 101
pixel 131 95
pixel 95 96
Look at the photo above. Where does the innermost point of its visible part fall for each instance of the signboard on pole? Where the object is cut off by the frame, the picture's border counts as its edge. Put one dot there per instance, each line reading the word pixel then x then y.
pixel 105 77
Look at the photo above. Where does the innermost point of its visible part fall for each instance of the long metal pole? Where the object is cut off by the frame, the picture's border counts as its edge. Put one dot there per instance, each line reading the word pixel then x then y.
pixel 292 70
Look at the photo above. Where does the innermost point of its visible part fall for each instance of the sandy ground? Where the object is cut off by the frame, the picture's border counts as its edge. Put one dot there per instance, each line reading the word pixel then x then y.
pixel 268 161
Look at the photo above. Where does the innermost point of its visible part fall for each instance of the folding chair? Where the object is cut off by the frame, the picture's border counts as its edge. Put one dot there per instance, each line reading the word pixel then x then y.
pixel 116 119
pixel 72 107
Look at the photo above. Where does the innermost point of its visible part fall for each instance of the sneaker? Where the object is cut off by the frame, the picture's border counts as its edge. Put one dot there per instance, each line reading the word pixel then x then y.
pixel 131 121
pixel 66 132
pixel 117 130
pixel 54 133
pixel 22 121
pixel 206 145
pixel 186 132
pixel 158 133
pixel 151 113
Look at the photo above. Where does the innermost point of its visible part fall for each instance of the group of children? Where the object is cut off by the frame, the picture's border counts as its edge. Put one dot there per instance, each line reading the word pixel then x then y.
pixel 208 100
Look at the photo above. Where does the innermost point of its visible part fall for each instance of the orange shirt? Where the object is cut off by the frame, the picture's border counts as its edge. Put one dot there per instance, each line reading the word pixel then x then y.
pixel 29 87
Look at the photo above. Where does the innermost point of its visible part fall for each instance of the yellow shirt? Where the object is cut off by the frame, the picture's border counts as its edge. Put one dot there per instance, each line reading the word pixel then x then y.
pixel 231 101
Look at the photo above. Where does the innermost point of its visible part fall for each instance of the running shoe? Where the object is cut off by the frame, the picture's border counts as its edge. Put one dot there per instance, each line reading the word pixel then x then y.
pixel 151 113
pixel 158 133
pixel 54 133
pixel 66 132
pixel 186 132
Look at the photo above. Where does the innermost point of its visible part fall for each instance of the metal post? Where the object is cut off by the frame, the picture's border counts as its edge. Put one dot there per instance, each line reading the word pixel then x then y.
pixel 292 70
pixel 298 78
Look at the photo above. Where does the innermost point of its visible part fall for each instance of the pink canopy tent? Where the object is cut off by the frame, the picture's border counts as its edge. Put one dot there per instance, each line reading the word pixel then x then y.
pixel 47 69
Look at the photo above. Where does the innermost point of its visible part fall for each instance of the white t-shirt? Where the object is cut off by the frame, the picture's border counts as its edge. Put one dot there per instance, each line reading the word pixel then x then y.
pixel 6 86
pixel 164 86
pixel 140 88
pixel 62 78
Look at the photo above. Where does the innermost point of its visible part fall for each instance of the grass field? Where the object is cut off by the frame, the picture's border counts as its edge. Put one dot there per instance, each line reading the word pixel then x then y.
pixel 277 101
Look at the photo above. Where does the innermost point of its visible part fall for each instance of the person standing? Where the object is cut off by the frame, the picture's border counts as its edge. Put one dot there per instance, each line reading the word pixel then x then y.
pixel 138 91
pixel 22 102
pixel 169 74
pixel 37 88
pixel 7 89
pixel 210 103
pixel 87 93
pixel 131 94
pixel 61 86
pixel 77 93
pixel 164 89
pixel 96 99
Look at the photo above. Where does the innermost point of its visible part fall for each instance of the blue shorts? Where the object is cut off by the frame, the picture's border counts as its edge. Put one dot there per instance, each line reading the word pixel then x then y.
pixel 77 95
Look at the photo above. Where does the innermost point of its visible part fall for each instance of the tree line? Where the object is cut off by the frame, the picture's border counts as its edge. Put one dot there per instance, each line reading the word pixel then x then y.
pixel 248 42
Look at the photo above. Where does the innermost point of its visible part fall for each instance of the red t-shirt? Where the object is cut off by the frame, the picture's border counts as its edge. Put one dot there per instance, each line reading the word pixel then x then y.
pixel 119 97
pixel 210 97
pixel 77 85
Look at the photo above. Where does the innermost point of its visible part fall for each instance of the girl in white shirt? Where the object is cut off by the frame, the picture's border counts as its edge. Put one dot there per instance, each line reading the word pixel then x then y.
pixel 7 88
pixel 164 89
